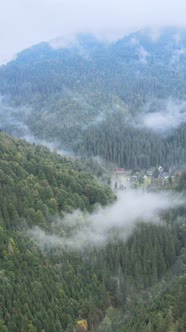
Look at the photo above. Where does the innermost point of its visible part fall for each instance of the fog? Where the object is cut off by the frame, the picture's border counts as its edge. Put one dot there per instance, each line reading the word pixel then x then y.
pixel 23 23
pixel 143 55
pixel 13 121
pixel 162 116
pixel 176 56
pixel 106 224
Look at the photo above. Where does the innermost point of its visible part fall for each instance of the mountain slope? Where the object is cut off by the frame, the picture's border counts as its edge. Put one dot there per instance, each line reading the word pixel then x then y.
pixel 72 91
pixel 55 289
pixel 155 64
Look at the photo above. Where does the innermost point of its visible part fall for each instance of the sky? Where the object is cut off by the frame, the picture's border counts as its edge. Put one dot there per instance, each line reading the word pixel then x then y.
pixel 27 22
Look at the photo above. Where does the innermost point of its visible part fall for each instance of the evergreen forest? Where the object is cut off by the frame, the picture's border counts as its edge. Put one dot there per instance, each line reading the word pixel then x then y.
pixel 70 119
pixel 138 284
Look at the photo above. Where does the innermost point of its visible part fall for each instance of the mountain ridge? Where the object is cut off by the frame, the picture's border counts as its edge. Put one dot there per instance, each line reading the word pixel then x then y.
pixel 69 90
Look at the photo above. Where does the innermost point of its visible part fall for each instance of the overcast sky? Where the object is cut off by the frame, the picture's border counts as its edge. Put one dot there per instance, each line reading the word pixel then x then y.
pixel 26 22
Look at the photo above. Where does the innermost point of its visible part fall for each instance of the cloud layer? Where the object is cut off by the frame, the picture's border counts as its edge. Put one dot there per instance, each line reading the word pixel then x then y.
pixel 162 115
pixel 12 121
pixel 23 23
pixel 106 224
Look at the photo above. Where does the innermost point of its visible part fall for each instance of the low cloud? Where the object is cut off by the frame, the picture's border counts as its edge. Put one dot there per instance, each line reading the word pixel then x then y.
pixel 143 55
pixel 13 121
pixel 56 17
pixel 106 224
pixel 177 54
pixel 141 51
pixel 162 115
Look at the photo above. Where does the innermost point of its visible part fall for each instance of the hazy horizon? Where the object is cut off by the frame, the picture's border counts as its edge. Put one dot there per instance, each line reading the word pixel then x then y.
pixel 25 23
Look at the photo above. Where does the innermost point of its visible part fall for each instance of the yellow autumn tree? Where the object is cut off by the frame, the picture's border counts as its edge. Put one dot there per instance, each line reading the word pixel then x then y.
pixel 81 325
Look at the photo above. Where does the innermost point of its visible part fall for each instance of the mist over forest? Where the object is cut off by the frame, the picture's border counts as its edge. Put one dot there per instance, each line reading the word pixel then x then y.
pixel 93 183
pixel 75 95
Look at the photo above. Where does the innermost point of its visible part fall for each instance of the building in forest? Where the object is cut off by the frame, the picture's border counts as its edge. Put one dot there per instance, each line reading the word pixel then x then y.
pixel 121 178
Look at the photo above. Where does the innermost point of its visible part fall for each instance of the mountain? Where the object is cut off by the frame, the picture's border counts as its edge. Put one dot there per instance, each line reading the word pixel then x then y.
pixel 71 257
pixel 76 91
pixel 49 284
pixel 112 66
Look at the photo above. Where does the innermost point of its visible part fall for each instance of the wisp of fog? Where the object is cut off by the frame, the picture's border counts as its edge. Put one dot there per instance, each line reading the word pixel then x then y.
pixel 12 121
pixel 116 221
pixel 162 116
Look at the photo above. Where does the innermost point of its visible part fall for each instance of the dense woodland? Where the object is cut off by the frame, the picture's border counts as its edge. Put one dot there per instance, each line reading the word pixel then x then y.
pixel 133 148
pixel 79 97
pixel 126 286
pixel 82 99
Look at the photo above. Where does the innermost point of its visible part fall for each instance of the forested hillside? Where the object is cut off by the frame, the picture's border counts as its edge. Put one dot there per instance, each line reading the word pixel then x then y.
pixel 124 286
pixel 82 95
pixel 74 256
pixel 135 148
pixel 39 183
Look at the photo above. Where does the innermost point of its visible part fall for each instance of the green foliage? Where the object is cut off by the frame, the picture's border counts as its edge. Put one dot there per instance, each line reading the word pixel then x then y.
pixel 116 141
pixel 127 286
pixel 181 182
pixel 42 184
pixel 51 291
pixel 82 102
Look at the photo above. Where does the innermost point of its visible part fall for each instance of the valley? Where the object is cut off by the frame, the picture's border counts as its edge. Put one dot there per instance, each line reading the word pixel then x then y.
pixel 92 185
